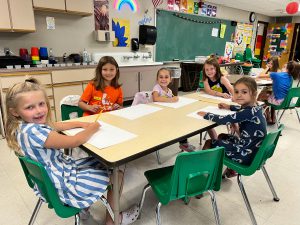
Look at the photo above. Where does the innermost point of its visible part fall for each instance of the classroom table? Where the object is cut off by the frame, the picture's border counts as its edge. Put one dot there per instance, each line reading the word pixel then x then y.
pixel 154 131
pixel 190 73
pixel 260 82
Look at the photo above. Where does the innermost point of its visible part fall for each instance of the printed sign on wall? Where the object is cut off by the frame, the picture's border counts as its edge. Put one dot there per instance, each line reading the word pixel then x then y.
pixel 101 14
pixel 121 28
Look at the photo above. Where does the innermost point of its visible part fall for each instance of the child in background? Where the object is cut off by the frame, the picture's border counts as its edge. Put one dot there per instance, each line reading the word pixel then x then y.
pixel 272 66
pixel 252 125
pixel 104 91
pixel 215 84
pixel 30 133
pixel 161 93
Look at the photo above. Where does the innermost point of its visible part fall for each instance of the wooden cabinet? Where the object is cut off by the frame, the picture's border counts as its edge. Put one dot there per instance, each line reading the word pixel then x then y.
pixel 19 13
pixel 4 16
pixel 80 6
pixel 129 78
pixel 47 5
pixel 148 77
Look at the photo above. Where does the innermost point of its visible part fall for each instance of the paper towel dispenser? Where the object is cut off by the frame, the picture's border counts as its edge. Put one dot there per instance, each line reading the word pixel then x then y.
pixel 147 35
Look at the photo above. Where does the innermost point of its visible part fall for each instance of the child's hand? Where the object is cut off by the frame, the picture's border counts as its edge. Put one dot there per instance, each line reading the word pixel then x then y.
pixel 94 108
pixel 201 113
pixel 116 106
pixel 84 125
pixel 225 95
pixel 174 99
pixel 223 106
pixel 94 126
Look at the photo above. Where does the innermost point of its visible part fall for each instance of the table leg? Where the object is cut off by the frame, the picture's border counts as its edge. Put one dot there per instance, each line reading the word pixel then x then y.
pixel 116 197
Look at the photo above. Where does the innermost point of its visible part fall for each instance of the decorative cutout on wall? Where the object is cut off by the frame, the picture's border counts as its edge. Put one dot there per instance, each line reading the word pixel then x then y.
pixel 118 4
pixel 101 14
pixel 157 2
pixel 243 35
pixel 122 32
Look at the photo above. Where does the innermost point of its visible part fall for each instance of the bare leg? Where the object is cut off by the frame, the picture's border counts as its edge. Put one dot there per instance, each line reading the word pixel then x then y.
pixel 207 144
pixel 212 133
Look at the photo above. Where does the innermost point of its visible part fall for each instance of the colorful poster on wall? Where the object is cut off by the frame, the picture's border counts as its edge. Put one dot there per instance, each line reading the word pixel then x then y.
pixel 177 5
pixel 171 4
pixel 190 6
pixel 222 30
pixel 183 6
pixel 204 9
pixel 243 36
pixel 214 11
pixel 196 7
pixel 101 14
pixel 121 28
pixel 208 10
pixel 228 49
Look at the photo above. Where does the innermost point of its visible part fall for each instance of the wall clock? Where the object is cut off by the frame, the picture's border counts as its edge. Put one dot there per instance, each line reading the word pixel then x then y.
pixel 252 17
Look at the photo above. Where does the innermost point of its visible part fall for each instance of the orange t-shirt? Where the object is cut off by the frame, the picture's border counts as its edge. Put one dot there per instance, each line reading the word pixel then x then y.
pixel 105 99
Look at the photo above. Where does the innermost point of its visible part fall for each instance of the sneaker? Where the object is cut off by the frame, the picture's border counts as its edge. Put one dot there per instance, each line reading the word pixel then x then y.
pixel 186 147
pixel 229 173
pixel 84 214
pixel 129 216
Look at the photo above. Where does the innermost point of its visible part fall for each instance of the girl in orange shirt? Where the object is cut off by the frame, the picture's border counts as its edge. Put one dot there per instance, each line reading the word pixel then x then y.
pixel 103 92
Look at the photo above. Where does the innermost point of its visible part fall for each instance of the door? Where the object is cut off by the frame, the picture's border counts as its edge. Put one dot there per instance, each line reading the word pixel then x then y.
pixel 260 40
pixel 295 54
pixel 278 42
pixel 4 16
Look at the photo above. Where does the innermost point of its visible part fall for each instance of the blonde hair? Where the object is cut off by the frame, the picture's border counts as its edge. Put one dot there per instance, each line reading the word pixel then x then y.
pixel 12 122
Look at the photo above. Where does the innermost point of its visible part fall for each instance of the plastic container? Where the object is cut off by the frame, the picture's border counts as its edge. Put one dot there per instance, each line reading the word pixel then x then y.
pixel 175 75
pixel 85 56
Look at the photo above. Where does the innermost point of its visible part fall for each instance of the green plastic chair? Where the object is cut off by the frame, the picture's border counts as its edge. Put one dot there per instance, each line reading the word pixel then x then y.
pixel 239 56
pixel 201 83
pixel 265 152
pixel 35 173
pixel 70 112
pixel 248 57
pixel 288 103
pixel 193 173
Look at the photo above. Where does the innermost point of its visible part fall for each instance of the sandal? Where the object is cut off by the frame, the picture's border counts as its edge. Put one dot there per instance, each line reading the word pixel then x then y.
pixel 130 215
pixel 186 147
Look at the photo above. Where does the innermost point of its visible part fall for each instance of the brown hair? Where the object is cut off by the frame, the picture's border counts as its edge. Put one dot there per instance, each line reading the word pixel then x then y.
pixel 98 80
pixel 161 69
pixel 250 84
pixel 214 62
pixel 293 69
pixel 12 98
pixel 275 62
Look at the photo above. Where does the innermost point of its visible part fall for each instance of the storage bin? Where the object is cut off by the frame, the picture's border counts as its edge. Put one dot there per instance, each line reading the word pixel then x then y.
pixel 175 74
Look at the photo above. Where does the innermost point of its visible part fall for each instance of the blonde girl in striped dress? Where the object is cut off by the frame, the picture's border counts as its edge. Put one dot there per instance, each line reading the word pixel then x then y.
pixel 30 133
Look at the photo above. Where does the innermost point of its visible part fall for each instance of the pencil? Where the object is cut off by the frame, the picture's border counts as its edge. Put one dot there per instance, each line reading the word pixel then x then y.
pixel 98 115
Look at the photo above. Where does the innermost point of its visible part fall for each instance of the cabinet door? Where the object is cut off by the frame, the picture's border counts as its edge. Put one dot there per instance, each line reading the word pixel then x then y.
pixel 148 77
pixel 59 5
pixel 84 7
pixel 64 76
pixel 129 78
pixel 61 91
pixel 22 15
pixel 4 16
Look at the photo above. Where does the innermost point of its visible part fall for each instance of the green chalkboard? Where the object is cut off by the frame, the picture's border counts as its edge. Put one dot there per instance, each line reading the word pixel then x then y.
pixel 183 36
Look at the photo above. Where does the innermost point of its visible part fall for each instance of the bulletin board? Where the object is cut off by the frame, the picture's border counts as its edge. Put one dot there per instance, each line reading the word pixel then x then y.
pixel 183 36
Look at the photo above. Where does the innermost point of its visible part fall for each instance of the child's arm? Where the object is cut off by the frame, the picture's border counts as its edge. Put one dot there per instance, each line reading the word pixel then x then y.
pixel 227 84
pixel 157 98
pixel 264 73
pixel 60 126
pixel 90 108
pixel 56 140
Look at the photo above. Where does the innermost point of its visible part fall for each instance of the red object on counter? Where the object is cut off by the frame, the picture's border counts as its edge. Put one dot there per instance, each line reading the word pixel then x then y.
pixel 34 51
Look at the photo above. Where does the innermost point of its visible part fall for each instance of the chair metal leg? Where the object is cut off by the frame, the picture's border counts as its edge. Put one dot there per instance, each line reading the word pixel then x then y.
pixel 278 121
pixel 275 197
pixel 251 214
pixel 108 207
pixel 297 114
pixel 201 138
pixel 158 157
pixel 215 207
pixel 157 212
pixel 141 204
pixel 35 211
pixel 77 219
pixel 205 135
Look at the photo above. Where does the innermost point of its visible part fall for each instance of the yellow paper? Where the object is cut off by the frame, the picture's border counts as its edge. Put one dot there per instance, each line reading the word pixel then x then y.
pixel 222 30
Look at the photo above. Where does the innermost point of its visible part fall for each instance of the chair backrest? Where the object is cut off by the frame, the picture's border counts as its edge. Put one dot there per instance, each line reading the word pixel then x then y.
pixel 70 112
pixel 239 56
pixel 142 97
pixel 247 54
pixel 36 174
pixel 289 101
pixel 265 151
pixel 196 172
pixel 201 84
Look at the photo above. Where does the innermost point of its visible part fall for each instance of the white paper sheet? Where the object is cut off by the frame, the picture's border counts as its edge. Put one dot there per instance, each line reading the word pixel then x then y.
pixel 211 109
pixel 107 135
pixel 215 97
pixel 135 112
pixel 264 82
pixel 181 102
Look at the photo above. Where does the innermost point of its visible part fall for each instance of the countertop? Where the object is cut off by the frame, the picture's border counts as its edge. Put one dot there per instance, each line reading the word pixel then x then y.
pixel 45 69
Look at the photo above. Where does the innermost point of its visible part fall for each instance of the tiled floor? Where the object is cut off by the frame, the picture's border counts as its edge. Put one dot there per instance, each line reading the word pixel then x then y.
pixel 17 199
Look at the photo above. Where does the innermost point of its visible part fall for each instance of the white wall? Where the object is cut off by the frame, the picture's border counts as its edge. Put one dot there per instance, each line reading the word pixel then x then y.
pixel 74 33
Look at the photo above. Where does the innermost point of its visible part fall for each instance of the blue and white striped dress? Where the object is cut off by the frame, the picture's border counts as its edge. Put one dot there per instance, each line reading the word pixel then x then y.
pixel 78 182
